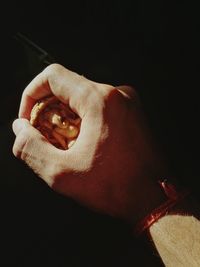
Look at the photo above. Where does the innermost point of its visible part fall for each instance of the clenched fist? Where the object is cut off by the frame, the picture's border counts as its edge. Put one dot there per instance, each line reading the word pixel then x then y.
pixel 114 164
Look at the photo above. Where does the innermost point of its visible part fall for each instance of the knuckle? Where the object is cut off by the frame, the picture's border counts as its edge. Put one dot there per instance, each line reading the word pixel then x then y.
pixel 52 69
pixel 129 91
pixel 20 143
pixel 113 96
pixel 15 150
pixel 105 89
pixel 111 92
pixel 104 92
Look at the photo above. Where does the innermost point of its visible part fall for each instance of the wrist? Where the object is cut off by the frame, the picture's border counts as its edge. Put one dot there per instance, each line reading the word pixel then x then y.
pixel 175 236
pixel 168 197
pixel 149 197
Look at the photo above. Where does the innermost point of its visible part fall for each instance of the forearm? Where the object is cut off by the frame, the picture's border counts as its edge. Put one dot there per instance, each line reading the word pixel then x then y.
pixel 176 236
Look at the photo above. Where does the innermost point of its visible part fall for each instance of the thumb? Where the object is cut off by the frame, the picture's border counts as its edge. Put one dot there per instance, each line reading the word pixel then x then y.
pixel 33 148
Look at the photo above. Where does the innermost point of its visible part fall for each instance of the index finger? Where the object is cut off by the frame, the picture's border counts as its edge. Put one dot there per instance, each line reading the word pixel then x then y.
pixel 68 86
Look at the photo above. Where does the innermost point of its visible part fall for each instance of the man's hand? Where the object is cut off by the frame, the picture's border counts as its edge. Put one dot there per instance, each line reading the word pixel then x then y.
pixel 114 164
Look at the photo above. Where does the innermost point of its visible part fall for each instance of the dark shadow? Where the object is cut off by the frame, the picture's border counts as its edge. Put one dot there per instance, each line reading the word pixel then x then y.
pixel 151 46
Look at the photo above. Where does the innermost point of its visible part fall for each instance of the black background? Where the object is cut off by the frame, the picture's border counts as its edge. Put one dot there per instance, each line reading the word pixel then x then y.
pixel 151 45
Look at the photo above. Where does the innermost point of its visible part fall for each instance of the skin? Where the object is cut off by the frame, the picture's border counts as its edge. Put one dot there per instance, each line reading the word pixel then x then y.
pixel 114 164
pixel 176 235
pixel 177 240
